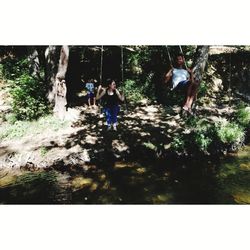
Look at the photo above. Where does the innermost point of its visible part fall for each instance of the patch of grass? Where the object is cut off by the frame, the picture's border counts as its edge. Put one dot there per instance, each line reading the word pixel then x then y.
pixel 24 128
pixel 150 146
pixel 43 151
pixel 10 118
pixel 242 116
pixel 178 144
pixel 230 133
pixel 202 141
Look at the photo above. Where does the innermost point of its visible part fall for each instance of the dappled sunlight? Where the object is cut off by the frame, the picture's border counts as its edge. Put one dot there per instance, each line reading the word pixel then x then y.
pixel 159 152
pixel 80 182
pixel 242 197
pixel 131 183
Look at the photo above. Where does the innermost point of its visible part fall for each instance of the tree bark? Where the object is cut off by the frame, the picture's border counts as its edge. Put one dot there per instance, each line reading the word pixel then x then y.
pixel 35 65
pixel 52 54
pixel 60 84
pixel 199 63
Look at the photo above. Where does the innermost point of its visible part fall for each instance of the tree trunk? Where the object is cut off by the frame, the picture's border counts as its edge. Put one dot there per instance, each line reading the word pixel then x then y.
pixel 199 63
pixel 60 84
pixel 35 65
pixel 52 54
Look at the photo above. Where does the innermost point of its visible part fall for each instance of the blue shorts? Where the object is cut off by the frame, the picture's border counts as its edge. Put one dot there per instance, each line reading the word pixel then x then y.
pixel 183 83
pixel 90 95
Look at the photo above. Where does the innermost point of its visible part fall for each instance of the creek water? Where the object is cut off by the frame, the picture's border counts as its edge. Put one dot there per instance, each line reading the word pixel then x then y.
pixel 200 181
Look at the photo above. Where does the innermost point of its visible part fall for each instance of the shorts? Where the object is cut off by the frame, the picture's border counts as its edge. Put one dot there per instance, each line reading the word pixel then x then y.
pixel 90 95
pixel 183 83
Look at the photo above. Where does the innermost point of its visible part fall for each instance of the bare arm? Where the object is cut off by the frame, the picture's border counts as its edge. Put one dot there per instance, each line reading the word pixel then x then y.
pixel 65 91
pixel 100 94
pixel 121 97
pixel 168 76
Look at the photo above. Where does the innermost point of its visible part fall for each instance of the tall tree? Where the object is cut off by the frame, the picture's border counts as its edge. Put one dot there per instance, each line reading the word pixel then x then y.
pixel 199 62
pixel 35 64
pixel 52 55
pixel 60 84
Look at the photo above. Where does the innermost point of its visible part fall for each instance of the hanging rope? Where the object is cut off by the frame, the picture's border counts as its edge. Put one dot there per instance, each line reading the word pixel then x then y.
pixel 122 65
pixel 183 56
pixel 230 77
pixel 101 64
pixel 122 72
pixel 169 57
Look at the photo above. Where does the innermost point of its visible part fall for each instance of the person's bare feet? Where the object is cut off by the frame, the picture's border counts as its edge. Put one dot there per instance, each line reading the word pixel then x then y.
pixel 185 108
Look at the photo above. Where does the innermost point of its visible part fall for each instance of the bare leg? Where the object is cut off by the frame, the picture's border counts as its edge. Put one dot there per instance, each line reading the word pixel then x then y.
pixel 89 102
pixel 188 96
pixel 193 94
pixel 94 101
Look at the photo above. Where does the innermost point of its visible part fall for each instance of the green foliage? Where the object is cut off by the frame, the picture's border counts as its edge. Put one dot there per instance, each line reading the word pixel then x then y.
pixel 178 144
pixel 132 91
pixel 202 141
pixel 43 151
pixel 10 118
pixel 202 134
pixel 203 89
pixel 242 116
pixel 28 94
pixel 29 100
pixel 230 133
pixel 150 146
pixel 1 71
pixel 13 68
pixel 23 128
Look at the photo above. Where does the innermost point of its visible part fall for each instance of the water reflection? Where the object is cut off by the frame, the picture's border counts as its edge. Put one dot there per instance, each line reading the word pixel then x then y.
pixel 226 181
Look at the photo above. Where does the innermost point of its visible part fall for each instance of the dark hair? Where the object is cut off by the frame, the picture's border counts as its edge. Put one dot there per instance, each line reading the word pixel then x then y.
pixel 109 81
pixel 180 54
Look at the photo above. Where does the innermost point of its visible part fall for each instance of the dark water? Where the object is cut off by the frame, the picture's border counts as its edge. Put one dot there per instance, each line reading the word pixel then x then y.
pixel 225 181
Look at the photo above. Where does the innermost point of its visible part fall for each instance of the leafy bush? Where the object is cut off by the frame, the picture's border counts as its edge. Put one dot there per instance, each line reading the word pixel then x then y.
pixel 206 137
pixel 29 100
pixel 178 144
pixel 202 140
pixel 132 91
pixel 202 134
pixel 13 68
pixel 242 116
pixel 10 118
pixel 203 89
pixel 28 94
pixel 230 134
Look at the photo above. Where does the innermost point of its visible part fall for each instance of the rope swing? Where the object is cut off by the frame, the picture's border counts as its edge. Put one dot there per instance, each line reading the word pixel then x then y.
pixel 122 65
pixel 101 64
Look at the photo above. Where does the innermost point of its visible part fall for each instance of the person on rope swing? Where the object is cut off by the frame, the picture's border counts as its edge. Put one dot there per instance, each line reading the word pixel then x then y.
pixel 90 92
pixel 183 78
pixel 111 97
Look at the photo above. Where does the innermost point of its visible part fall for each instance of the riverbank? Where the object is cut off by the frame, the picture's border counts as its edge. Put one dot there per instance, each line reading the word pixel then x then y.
pixel 146 131
pixel 197 181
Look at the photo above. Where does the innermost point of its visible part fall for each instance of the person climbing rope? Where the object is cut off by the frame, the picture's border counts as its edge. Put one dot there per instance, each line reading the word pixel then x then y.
pixel 183 78
pixel 111 97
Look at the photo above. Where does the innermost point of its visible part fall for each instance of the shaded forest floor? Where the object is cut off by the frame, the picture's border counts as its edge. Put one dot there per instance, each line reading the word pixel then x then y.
pixel 145 131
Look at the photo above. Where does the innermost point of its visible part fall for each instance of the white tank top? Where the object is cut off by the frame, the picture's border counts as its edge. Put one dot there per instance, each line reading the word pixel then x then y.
pixel 179 75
